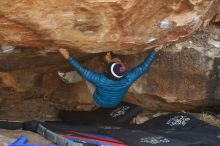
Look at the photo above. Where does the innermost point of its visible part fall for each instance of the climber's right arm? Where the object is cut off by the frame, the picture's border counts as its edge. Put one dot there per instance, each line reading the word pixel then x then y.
pixel 135 73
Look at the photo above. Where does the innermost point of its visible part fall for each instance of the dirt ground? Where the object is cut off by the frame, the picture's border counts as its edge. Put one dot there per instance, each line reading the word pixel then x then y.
pixel 8 136
pixel 37 109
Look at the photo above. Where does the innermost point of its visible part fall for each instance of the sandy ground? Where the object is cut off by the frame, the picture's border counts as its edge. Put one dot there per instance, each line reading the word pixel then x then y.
pixel 7 136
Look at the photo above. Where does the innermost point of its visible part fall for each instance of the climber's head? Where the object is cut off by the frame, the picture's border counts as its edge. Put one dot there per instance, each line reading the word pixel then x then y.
pixel 115 70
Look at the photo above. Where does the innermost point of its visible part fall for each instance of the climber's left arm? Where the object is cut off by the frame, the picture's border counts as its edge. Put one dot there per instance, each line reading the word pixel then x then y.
pixel 84 72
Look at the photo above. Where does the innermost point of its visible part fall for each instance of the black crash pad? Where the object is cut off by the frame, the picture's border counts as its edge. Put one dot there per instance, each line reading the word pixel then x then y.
pixel 67 135
pixel 134 137
pixel 11 125
pixel 183 127
pixel 176 121
pixel 178 129
pixel 64 134
pixel 121 114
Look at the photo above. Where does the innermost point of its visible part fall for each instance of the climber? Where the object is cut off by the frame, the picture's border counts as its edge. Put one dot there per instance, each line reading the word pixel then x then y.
pixel 109 88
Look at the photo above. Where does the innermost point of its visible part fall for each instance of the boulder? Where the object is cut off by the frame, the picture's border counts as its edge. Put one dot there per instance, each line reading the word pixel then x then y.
pixel 184 76
pixel 123 26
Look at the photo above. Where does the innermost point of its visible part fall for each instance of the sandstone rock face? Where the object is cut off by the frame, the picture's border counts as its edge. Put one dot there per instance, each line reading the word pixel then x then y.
pixel 189 75
pixel 124 26
pixel 184 76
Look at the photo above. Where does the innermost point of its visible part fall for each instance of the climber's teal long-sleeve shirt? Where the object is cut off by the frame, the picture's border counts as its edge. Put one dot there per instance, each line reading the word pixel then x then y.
pixel 110 93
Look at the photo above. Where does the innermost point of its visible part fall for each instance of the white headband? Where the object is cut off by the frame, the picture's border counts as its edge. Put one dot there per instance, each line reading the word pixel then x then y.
pixel 112 71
